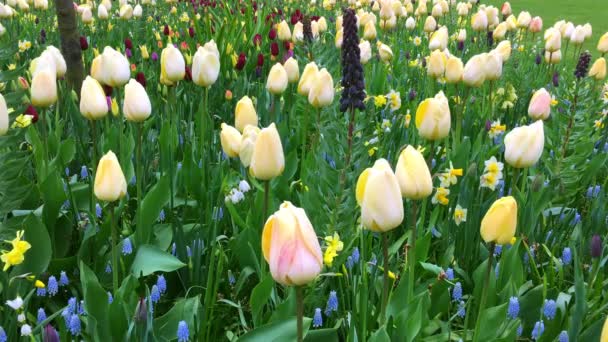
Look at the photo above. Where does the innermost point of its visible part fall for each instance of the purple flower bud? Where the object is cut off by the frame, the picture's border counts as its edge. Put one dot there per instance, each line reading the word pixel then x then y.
pixel 141 312
pixel 50 334
pixel 488 125
pixel 555 79
pixel 154 56
pixel 596 246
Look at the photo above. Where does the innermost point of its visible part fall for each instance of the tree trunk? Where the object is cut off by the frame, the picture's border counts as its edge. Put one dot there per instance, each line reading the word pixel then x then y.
pixel 70 43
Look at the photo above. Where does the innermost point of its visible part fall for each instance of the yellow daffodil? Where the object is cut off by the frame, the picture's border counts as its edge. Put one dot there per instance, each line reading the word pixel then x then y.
pixel 22 121
pixel 379 101
pixel 334 242
pixel 460 215
pixel 441 196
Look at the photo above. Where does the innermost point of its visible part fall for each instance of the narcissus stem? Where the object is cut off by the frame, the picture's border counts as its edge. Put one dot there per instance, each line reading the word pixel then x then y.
pixel 484 292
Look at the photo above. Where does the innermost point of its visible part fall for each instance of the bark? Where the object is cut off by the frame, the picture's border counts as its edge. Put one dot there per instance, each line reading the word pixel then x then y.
pixel 70 43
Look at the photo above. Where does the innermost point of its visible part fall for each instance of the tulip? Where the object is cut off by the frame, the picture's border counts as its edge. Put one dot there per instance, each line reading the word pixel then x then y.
pixel 566 30
pixel 386 11
pixel 321 93
pixel 462 35
pixel 421 9
pixel 578 35
pixel 172 65
pixel 505 10
pixel 292 69
pixel 436 64
pixel 107 4
pixel 553 57
pixel 410 23
pixel 437 11
pixel 283 31
pixel 474 72
pixel 211 46
pixel 87 16
pixel 3 116
pixel 339 38
pixel 102 12
pixel 205 67
pixel 58 60
pixel 453 70
pixel 369 31
pixel 462 9
pixel 504 49
pixel 93 102
pixel 386 54
pixel 137 106
pixel 479 21
pixel 322 24
pixel 231 140
pixel 277 79
pixel 267 161
pixel 250 135
pixel 126 12
pixel 511 22
pixel 110 182
pixel 244 114
pixel 379 195
pixel 598 69
pixel 500 31
pixel 499 223
pixel 365 49
pixel 524 145
pixel 44 87
pixel 492 15
pixel 602 44
pixel 604 336
pixel 536 24
pixel 492 66
pixel 308 76
pixel 430 24
pixel 137 11
pixel 291 247
pixel 298 32
pixel 439 39
pixel 540 105
pixel 111 68
pixel 524 19
pixel 413 174
pixel 433 117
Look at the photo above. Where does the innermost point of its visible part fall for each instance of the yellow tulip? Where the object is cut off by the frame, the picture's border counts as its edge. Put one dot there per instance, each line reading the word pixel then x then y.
pixel 602 44
pixel 413 174
pixel 44 88
pixel 379 196
pixel 500 31
pixel 245 114
pixel 604 336
pixel 93 102
pixel 499 223
pixel 250 135
pixel 430 24
pixel 110 182
pixel 369 31
pixel 3 116
pixel 436 64
pixel 172 65
pixel 291 247
pixel 453 70
pixel 553 40
pixel 292 69
pixel 231 140
pixel 386 54
pixel 277 79
pixel 433 117
pixel 524 145
pixel 136 106
pixel 321 93
pixel 267 161
pixel 504 49
pixel 308 77
pixel 283 31
pixel 322 24
pixel 598 69
pixel 126 12
pixel 205 67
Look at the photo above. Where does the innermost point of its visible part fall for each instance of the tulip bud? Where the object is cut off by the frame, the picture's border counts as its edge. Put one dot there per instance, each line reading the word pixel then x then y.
pixel 365 49
pixel 277 79
pixel 283 31
pixel 244 114
pixel 504 49
pixel 524 145
pixel 321 93
pixel 292 69
pixel 598 69
pixel 439 39
pixel 553 40
pixel 137 106
pixel 44 88
pixel 536 24
pixel 453 70
pixel 499 223
pixel 436 64
pixel 462 9
pixel 505 10
pixel 479 21
pixel 172 65
pixel 378 193
pixel 602 45
pixel 523 20
pixel 474 72
pixel 137 11
pixel 205 67
pixel 141 310
pixel 540 105
pixel 126 12
pixel 433 117
pixel 430 24
pixel 308 77
pixel 596 249
pixel 50 334
pixel 231 140
pixel 413 174
pixel 369 31
pixel 291 247
pixel 492 66
pixel 386 54
pixel 3 116
pixel 410 23
pixel 267 161
pixel 250 135
pixel 93 102
pixel 110 182
pixel 102 12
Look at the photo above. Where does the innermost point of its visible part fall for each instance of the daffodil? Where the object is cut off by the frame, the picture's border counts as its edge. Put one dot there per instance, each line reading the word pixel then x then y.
pixel 22 121
pixel 496 129
pixel 441 196
pixel 394 100
pixel 408 119
pixel 494 166
pixel 450 176
pixel 379 101
pixel 334 245
pixel 19 244
pixel 460 215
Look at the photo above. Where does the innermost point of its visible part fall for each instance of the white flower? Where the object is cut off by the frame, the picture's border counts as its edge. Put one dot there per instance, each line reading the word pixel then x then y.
pixel 21 318
pixel 236 196
pixel 16 303
pixel 26 330
pixel 244 186
pixel 460 215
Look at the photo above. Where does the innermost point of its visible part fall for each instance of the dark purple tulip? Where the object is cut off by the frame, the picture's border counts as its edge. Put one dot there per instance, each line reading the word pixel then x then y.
pixel 555 79
pixel 460 45
pixel 50 334
pixel 141 312
pixel 596 246
pixel 412 95
pixel 539 59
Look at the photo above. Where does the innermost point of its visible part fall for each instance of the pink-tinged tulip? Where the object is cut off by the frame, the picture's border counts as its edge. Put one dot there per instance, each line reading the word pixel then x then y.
pixel 291 247
pixel 505 10
pixel 540 105
pixel 536 24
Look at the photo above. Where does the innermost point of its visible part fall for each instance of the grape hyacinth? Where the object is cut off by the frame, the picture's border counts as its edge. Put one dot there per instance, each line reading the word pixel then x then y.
pixel 154 294
pixel 110 297
pixel 582 67
pixel 161 283
pixel 74 325
pixel 332 303
pixel 41 291
pixel 461 309
pixel 41 316
pixel 84 172
pixel 317 319
pixel 3 337
pixel 563 336
pixel 449 273
pixel 550 309
pixel 457 292
pixel 182 332
pixel 566 256
pixel 127 247
pixel 513 310
pixel 539 328
pixel 63 279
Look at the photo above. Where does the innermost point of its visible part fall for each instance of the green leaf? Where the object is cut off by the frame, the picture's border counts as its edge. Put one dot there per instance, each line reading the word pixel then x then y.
pixel 259 296
pixel 325 335
pixel 165 327
pixel 491 320
pixel 53 197
pixel 152 204
pixel 37 258
pixel 285 330
pixel 150 259
pixel 380 335
pixel 95 305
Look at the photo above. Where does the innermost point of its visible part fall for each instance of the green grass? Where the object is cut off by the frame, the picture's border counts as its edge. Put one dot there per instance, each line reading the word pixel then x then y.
pixel 578 12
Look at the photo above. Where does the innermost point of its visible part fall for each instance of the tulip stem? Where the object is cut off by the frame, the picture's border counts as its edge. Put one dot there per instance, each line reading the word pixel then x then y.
pixel 300 312
pixel 93 172
pixel 138 180
pixel 484 291
pixel 386 279
pixel 266 195
pixel 115 268
pixel 412 254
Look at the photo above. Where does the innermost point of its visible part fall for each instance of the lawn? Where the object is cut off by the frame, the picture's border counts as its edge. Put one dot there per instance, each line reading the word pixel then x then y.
pixel 578 12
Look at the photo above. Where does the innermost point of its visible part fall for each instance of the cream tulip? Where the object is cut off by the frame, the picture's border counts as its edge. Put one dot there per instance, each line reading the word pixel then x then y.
pixel 321 93
pixel 386 54
pixel 292 69
pixel 492 66
pixel 453 70
pixel 136 106
pixel 578 35
pixel 245 114
pixel 44 88
pixel 602 44
pixel 57 57
pixel 500 31
pixel 110 183
pixel 250 135
pixel 277 79
pixel 308 76
pixel 369 31
pixel 102 12
pixel 436 64
pixel 268 160
pixel 172 65
pixel 474 71
pixel 430 24
pixel 540 105
pixel 126 12
pixel 137 11
pixel 291 247
pixel 410 23
pixel 87 16
pixel 523 19
pixel 3 116
pixel 433 117
pixel 205 67
pixel 379 195
pixel 231 140
pixel 283 31
pixel 439 39
pixel 93 102
pixel 111 68
pixel 479 21
pixel 413 174
pixel 524 145
pixel 504 49
pixel 365 49
pixel 598 69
